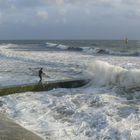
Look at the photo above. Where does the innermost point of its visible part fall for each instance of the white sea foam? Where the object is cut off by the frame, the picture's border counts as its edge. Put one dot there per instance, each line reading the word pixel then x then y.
pixel 74 114
pixel 63 47
pixel 57 65
pixel 6 50
pixel 105 74
pixel 51 44
pixel 87 113
pixel 59 46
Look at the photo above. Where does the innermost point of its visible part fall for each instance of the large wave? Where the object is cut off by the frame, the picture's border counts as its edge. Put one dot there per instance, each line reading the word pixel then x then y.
pixel 105 74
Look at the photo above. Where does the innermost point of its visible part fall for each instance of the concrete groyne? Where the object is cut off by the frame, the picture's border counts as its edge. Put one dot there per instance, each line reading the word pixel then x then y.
pixel 45 86
pixel 9 130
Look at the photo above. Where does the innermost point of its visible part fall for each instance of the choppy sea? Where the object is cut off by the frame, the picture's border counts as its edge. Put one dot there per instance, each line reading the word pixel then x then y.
pixel 107 108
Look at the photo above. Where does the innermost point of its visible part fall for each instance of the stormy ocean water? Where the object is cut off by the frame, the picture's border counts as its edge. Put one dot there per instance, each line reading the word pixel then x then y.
pixel 107 108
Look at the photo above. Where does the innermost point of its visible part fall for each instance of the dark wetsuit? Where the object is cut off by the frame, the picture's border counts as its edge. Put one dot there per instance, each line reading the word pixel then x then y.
pixel 40 74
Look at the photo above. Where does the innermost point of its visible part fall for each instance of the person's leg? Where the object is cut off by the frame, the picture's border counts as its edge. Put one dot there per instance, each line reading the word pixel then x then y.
pixel 40 77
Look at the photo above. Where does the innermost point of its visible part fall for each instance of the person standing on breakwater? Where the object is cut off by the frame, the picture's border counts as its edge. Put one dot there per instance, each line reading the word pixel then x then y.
pixel 40 74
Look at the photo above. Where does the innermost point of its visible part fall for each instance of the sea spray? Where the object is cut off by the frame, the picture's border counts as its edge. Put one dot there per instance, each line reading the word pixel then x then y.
pixel 105 74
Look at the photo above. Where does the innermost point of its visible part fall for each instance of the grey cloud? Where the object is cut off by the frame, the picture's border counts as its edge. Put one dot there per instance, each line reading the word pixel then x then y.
pixel 131 2
pixel 68 18
pixel 5 4
pixel 27 3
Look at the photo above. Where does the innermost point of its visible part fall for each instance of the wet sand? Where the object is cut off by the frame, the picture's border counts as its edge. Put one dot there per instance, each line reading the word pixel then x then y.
pixel 9 130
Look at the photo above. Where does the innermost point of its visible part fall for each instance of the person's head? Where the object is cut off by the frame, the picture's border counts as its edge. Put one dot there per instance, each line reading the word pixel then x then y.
pixel 41 68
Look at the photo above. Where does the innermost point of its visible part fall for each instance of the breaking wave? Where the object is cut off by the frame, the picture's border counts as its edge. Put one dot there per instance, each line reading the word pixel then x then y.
pixel 63 47
pixel 105 74
pixel 89 50
pixel 93 50
pixel 111 52
pixel 58 46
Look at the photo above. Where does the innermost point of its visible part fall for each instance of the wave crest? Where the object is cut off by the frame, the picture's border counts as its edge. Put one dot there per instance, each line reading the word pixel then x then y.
pixel 105 74
pixel 93 50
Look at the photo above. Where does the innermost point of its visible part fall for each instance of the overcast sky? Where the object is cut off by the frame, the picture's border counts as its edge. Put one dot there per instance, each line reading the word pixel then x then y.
pixel 69 19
